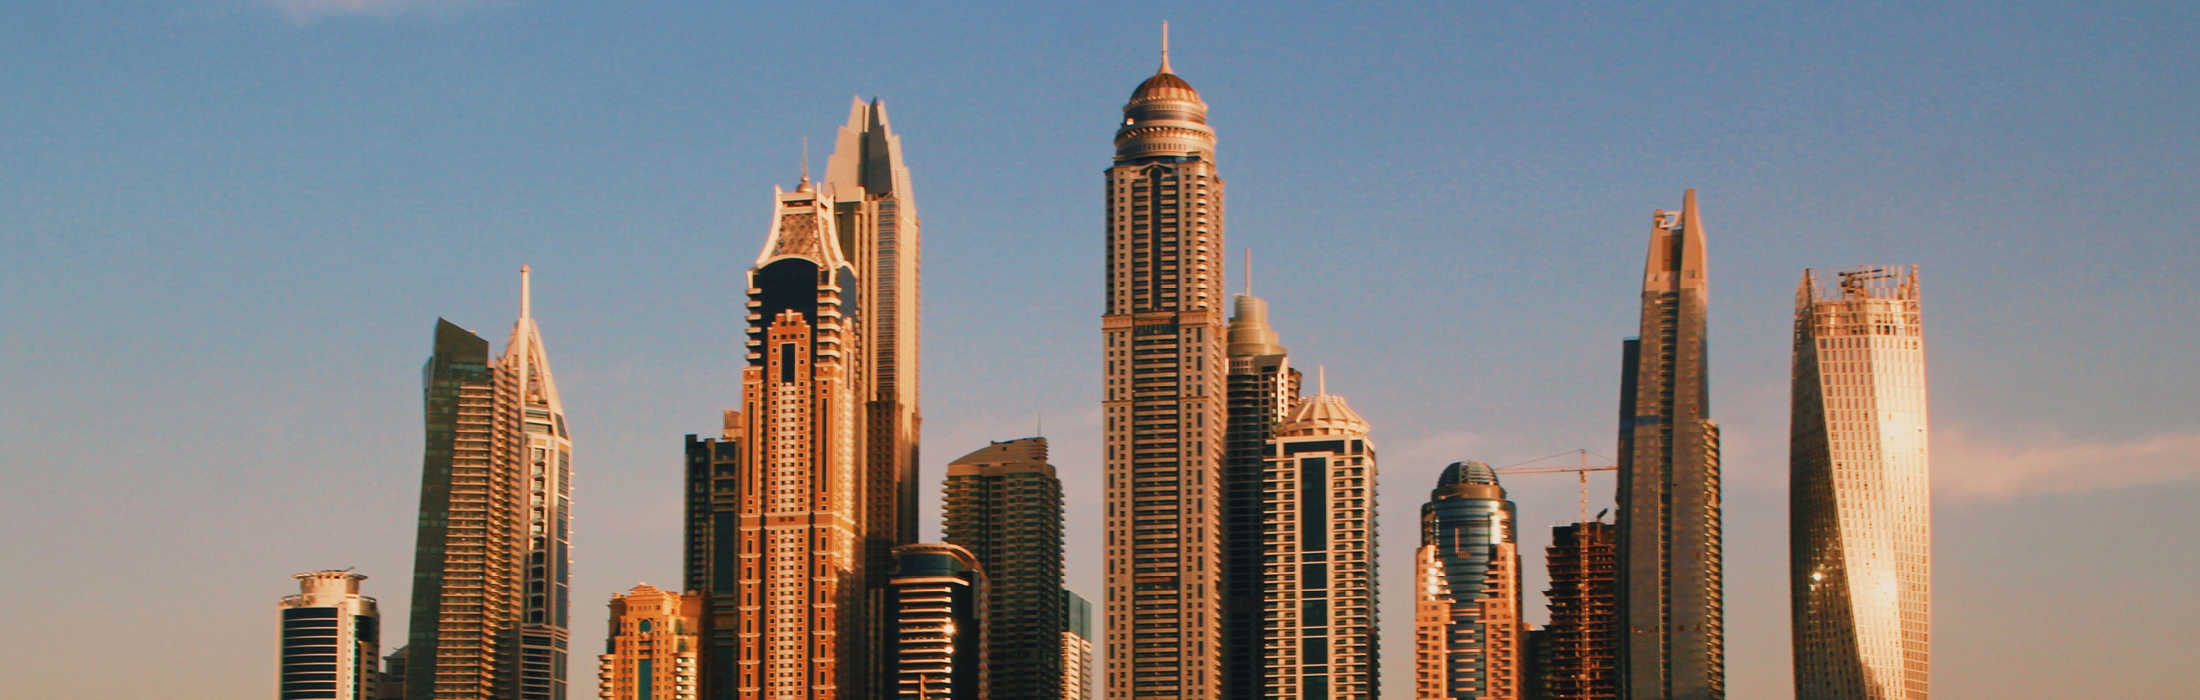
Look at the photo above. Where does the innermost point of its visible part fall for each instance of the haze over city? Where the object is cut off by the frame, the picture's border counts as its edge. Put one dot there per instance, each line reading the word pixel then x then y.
pixel 227 229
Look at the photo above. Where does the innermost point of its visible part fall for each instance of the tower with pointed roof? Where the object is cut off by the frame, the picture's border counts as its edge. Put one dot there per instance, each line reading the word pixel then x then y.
pixel 1468 530
pixel 875 217
pixel 1671 604
pixel 1318 614
pixel 491 576
pixel 1163 397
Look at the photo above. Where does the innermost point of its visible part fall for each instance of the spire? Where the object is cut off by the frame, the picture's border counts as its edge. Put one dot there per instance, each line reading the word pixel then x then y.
pixel 1248 271
pixel 1165 47
pixel 1321 380
pixel 525 294
pixel 805 185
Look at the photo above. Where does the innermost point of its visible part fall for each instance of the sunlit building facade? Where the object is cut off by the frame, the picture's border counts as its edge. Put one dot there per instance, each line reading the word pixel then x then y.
pixel 491 563
pixel 1163 398
pixel 1004 505
pixel 331 637
pixel 653 648
pixel 1582 638
pixel 1671 580
pixel 936 605
pixel 1318 609
pixel 1468 526
pixel 1076 647
pixel 1860 506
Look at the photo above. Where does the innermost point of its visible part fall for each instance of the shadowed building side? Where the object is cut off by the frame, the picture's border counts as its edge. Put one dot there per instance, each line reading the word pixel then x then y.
pixel 1671 606
pixel 1004 505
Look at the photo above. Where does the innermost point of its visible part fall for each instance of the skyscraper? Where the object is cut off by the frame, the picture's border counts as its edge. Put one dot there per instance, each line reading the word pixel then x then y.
pixel 1318 612
pixel 1859 503
pixel 653 646
pixel 546 456
pixel 1076 647
pixel 1004 505
pixel 490 565
pixel 1469 524
pixel 1583 639
pixel 875 215
pixel 1263 388
pixel 1671 603
pixel 797 601
pixel 935 602
pixel 330 638
pixel 1163 398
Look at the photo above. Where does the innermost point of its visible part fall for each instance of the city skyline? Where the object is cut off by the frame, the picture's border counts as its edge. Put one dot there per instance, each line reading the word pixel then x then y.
pixel 255 402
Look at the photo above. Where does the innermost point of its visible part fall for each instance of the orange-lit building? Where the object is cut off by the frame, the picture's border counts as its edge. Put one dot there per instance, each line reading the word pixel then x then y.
pixel 653 649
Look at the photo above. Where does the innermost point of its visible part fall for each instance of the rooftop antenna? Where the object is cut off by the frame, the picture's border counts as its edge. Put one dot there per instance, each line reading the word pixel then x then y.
pixel 805 159
pixel 1321 380
pixel 524 292
pixel 1042 424
pixel 1248 271
pixel 1165 47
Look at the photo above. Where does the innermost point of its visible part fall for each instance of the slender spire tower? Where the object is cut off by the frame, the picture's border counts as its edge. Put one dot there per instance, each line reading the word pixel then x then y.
pixel 1860 510
pixel 1164 422
pixel 545 458
pixel 1671 604
pixel 875 217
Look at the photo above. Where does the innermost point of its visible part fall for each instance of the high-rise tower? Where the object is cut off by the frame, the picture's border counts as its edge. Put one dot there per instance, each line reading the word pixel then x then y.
pixel 1318 605
pixel 1859 502
pixel 1470 526
pixel 1263 389
pixel 936 604
pixel 490 563
pixel 1163 398
pixel 330 639
pixel 546 458
pixel 875 215
pixel 1671 602
pixel 797 594
pixel 1004 505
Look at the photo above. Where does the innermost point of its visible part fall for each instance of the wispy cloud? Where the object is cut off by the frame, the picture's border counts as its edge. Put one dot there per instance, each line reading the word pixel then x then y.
pixel 308 11
pixel 1966 467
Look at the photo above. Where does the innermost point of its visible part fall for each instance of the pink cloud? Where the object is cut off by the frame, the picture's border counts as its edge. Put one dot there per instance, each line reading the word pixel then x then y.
pixel 1966 467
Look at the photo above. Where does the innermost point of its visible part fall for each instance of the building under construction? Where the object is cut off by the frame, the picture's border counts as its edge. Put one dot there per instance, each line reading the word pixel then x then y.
pixel 1584 654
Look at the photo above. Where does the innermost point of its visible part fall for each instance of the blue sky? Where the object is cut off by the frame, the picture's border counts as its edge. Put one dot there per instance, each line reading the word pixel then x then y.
pixel 228 226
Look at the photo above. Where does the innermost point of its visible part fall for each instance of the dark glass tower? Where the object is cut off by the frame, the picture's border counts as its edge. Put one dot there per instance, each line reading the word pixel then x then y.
pixel 461 639
pixel 1004 505
pixel 1470 524
pixel 1671 604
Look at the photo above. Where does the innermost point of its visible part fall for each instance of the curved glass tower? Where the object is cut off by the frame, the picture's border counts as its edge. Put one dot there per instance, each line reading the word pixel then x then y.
pixel 1860 507
pixel 1469 525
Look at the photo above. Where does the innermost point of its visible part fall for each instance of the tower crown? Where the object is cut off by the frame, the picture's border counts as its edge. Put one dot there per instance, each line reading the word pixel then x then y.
pixel 1164 118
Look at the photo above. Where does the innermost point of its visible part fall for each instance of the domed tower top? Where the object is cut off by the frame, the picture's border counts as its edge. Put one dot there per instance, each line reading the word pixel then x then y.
pixel 1164 118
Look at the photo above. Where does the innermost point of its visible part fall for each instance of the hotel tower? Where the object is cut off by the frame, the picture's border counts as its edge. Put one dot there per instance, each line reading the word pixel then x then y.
pixel 491 560
pixel 1163 398
pixel 1670 606
pixel 1859 505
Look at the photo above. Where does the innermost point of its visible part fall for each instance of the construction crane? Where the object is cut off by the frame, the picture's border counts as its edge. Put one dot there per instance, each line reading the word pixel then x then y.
pixel 1581 471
